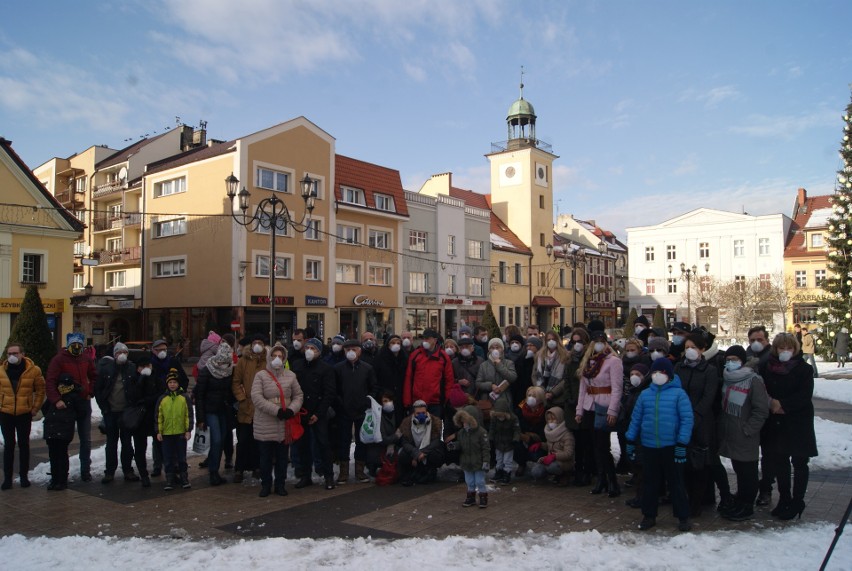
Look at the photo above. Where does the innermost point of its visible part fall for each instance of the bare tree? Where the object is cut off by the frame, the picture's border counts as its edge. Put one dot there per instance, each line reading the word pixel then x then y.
pixel 746 303
pixel 780 294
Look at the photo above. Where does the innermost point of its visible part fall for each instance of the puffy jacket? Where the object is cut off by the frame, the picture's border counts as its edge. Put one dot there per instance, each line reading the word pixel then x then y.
pixel 81 369
pixel 808 346
pixel 504 430
pixel 267 401
pixel 610 375
pixel 473 444
pixel 424 377
pixel 662 416
pixel 560 441
pixel 355 381
pixel 467 368
pixel 739 435
pixel 142 391
pixel 249 365
pixel 174 413
pixel 212 395
pixel 27 395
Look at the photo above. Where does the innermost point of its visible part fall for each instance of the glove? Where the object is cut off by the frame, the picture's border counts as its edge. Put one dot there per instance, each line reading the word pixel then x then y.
pixel 485 466
pixel 288 413
pixel 680 454
pixel 451 446
pixel 631 452
pixel 281 414
pixel 548 460
pixel 534 447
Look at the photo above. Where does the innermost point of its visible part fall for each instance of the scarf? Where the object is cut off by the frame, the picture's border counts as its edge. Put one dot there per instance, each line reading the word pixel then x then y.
pixel 532 416
pixel 593 367
pixel 776 366
pixel 556 434
pixel 545 368
pixel 421 433
pixel 736 386
pixel 221 364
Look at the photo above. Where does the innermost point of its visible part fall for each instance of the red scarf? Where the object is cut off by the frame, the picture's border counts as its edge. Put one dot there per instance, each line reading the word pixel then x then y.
pixel 593 367
pixel 532 416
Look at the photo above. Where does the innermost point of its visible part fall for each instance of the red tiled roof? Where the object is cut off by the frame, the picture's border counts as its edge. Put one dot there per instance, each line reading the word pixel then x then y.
pixel 471 198
pixel 545 301
pixel 371 179
pixel 796 246
pixel 70 218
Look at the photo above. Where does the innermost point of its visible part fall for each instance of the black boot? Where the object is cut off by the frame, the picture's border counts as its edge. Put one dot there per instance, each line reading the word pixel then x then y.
pixel 304 482
pixel 483 500
pixel 613 489
pixel 265 490
pixel 791 510
pixel 184 481
pixel 280 489
pixel 470 500
pixel 170 482
pixel 25 481
pixel 601 485
pixel 146 481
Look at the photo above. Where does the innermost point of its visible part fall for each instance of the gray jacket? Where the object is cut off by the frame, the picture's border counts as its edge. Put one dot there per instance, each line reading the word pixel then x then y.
pixel 490 373
pixel 739 436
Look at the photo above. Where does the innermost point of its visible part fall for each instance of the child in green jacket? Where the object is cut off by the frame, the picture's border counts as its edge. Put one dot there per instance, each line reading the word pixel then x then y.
pixel 174 424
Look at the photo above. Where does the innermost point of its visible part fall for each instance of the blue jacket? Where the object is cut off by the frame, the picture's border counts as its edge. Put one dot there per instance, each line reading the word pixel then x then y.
pixel 662 416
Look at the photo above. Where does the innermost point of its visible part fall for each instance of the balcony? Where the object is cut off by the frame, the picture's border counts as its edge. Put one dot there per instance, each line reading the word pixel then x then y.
pixel 131 255
pixel 70 197
pixel 132 218
pixel 108 189
pixel 107 223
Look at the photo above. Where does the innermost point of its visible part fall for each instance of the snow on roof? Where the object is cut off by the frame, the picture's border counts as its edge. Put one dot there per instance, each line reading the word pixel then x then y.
pixel 500 241
pixel 819 218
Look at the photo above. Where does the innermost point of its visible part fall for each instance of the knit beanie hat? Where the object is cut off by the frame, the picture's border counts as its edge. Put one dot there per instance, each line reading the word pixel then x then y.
pixel 663 364
pixel 736 351
pixel 214 337
pixel 119 347
pixel 658 344
pixel 533 340
pixel 315 343
pixel 496 341
pixel 517 339
pixel 465 330
pixel 338 339
pixel 640 368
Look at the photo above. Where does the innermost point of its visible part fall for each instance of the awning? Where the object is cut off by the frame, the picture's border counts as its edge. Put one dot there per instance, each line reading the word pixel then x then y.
pixel 545 301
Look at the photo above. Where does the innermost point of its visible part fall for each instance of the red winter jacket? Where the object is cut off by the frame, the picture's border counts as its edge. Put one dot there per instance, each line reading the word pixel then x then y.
pixel 424 375
pixel 81 369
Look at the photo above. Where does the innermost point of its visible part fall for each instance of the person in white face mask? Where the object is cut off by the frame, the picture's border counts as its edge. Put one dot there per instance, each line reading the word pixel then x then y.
pixel 466 365
pixel 757 352
pixel 429 376
pixel 550 363
pixel 22 394
pixel 658 347
pixel 252 361
pixel 558 449
pixel 496 374
pixel 661 426
pixel 390 365
pixel 634 354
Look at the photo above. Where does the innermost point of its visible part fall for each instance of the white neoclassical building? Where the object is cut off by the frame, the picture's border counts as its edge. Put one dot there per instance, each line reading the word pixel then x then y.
pixel 670 262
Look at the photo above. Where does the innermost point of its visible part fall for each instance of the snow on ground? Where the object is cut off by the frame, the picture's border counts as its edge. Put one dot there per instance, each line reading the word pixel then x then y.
pixel 834 444
pixel 839 390
pixel 795 547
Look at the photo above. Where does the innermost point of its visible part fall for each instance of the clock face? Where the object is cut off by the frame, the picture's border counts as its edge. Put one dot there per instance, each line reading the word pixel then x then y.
pixel 510 172
pixel 541 173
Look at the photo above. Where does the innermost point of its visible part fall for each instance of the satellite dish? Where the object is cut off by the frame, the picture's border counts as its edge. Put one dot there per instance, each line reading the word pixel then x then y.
pixel 122 174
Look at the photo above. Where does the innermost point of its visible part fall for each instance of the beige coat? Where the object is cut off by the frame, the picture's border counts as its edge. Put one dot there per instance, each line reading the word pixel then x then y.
pixel 245 370
pixel 267 400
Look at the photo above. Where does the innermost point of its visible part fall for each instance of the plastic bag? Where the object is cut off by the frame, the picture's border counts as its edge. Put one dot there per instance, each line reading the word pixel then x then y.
pixel 371 428
pixel 201 443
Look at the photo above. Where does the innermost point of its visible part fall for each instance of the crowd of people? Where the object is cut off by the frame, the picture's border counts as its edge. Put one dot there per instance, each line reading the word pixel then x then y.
pixel 540 406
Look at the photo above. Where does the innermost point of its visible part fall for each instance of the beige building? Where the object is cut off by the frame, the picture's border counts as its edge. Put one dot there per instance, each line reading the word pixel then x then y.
pixel 805 256
pixel 37 236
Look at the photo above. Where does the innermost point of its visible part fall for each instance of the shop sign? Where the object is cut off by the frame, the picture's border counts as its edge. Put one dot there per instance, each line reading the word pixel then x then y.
pixel 421 300
pixel 478 302
pixel 450 301
pixel 235 325
pixel 362 300
pixel 13 305
pixel 264 300
pixel 314 300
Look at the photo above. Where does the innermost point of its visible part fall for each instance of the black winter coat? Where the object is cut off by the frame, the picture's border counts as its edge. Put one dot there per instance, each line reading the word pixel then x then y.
pixel 212 395
pixel 60 424
pixel 142 391
pixel 524 367
pixel 316 379
pixel 390 370
pixel 467 368
pixel 791 433
pixel 108 370
pixel 355 381
pixel 701 383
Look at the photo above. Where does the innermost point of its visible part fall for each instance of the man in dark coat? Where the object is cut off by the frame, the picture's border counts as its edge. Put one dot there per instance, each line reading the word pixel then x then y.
pixel 390 365
pixel 355 380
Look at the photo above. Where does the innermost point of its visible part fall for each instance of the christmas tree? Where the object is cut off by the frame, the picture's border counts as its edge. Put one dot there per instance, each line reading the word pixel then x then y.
pixel 31 330
pixel 835 310
pixel 489 322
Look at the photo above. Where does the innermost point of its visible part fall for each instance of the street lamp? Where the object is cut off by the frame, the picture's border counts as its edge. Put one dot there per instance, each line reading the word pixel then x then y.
pixel 272 214
pixel 689 274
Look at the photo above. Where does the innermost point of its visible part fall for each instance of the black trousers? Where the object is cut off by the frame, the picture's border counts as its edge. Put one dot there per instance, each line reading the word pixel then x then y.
pixel 315 442
pixel 801 474
pixel 720 476
pixel 114 435
pixel 584 456
pixel 658 465
pixel 248 454
pixel 747 480
pixel 273 454
pixel 57 451
pixel 434 460
pixel 16 426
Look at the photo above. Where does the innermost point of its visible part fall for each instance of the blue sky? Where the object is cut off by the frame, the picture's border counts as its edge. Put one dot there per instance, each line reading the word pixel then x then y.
pixel 654 107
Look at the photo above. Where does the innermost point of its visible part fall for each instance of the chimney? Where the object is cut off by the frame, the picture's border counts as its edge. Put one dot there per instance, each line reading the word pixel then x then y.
pixel 801 197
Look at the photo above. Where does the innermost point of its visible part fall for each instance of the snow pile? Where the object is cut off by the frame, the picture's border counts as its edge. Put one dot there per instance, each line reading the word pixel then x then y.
pixel 794 547
pixel 839 390
pixel 834 444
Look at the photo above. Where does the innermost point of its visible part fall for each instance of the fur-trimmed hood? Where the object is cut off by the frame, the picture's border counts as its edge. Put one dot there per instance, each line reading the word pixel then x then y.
pixel 469 415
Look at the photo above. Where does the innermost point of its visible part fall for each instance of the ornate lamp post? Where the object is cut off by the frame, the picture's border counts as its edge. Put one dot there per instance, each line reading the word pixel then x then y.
pixel 689 274
pixel 272 214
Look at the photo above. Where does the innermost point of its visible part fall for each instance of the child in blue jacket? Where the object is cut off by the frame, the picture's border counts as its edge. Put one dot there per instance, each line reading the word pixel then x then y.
pixel 662 422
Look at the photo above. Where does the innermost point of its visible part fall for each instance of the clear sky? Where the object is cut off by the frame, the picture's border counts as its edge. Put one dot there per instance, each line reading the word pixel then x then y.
pixel 654 107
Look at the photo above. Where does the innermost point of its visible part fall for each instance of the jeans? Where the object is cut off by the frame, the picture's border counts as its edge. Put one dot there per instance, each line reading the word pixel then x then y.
pixel 346 426
pixel 84 432
pixel 809 358
pixel 11 426
pixel 277 453
pixel 217 424
pixel 504 460
pixel 174 453
pixel 314 448
pixel 475 481
pixel 114 434
pixel 540 471
pixel 248 456
pixel 659 464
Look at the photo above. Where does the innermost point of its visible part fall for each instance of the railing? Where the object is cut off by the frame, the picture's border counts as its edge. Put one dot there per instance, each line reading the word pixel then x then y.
pixel 474 211
pixel 108 223
pixel 129 255
pixel 513 144
pixel 421 198
pixel 68 196
pixel 108 188
pixel 132 218
pixel 449 200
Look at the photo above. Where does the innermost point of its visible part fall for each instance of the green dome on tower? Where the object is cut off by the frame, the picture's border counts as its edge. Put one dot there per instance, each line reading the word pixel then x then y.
pixel 521 107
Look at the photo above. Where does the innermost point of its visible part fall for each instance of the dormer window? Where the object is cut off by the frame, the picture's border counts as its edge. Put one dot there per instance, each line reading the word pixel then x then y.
pixel 352 195
pixel 384 202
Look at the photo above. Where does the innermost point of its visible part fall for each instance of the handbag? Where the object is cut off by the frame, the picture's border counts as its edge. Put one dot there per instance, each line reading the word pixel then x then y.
pixel 132 417
pixel 293 429
pixel 600 417
pixel 201 442
pixel 696 457
pixel 389 471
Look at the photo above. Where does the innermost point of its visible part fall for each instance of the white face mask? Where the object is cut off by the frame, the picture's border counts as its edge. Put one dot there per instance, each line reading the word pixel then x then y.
pixel 551 344
pixel 162 355
pixel 516 347
pixel 450 352
pixel 531 401
pixel 465 352
pixel 310 354
pixel 406 342
pixel 336 348
pixel 483 338
pixel 395 347
pixel 505 338
pixel 578 347
pixel 638 329
pixel 635 380
pixel 121 358
pixel 631 354
pixel 297 345
pixel 551 425
pixel 276 363
pixel 599 347
pixel 146 372
pixel 657 355
pixel 785 356
pixel 426 346
pixel 13 359
pixel 756 347
pixel 257 348
pixel 387 407
pixel 692 354
pixel 495 354
pixel 530 353
pixel 659 378
pixel 351 355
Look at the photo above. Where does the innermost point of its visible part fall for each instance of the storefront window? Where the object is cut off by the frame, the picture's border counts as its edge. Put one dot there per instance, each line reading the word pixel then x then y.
pixel 804 313
pixel 417 320
pixel 379 321
pixel 470 317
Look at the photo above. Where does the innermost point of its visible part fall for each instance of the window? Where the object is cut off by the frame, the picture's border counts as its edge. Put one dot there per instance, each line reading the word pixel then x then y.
pixel 313 270
pixel 704 284
pixel 78 281
pixel 562 277
pixel 379 275
pixel 451 284
pixel 765 281
pixel 417 240
pixel 352 195
pixel 379 239
pixel 418 282
pixel 80 184
pixel 763 246
pixel 671 252
pixel 82 216
pixel 819 278
pixel 501 275
pixel 650 287
pixel 801 278
pixel 451 245
pixel 261 267
pixel 519 277
pixel 542 279
pixel 80 248
pixel 167 187
pixel 475 286
pixel 501 312
pixel 265 224
pixel 384 202
pixel 114 210
pixel 474 249
pixel 541 240
pixel 314 231
pixel 32 271
pixel 816 240
pixel 541 202
pixel 739 248
pixel 169 268
pixel 273 180
pixel 113 245
pixel 348 273
pixel 115 279
pixel 649 253
pixel 672 285
pixel 348 234
pixel 704 250
pixel 739 283
pixel 171 227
